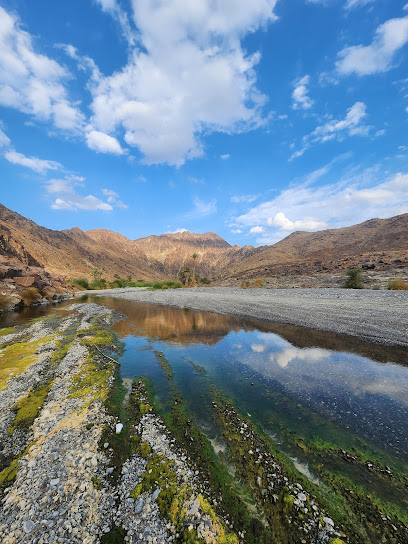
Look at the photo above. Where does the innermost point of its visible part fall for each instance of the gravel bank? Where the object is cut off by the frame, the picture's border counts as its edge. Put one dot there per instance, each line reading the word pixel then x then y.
pixel 376 316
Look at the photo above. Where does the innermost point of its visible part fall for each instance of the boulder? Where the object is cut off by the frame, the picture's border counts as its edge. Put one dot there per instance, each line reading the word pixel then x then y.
pixel 27 281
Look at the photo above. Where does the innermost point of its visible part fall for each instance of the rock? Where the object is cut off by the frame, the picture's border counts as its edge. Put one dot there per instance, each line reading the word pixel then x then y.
pixel 26 281
pixel 139 506
pixel 119 427
pixel 302 497
pixel 28 526
pixel 328 521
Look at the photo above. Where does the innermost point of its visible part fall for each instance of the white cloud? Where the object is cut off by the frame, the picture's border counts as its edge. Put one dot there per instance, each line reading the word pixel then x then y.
pixel 301 100
pixel 202 208
pixel 113 198
pixel 351 4
pixel 36 164
pixel 351 125
pixel 288 355
pixel 257 230
pixel 243 198
pixel 189 77
pixel 103 143
pixel 177 231
pixel 113 8
pixel 31 82
pixel 225 157
pixel 379 55
pixel 258 348
pixel 236 231
pixel 4 139
pixel 67 198
pixel 349 201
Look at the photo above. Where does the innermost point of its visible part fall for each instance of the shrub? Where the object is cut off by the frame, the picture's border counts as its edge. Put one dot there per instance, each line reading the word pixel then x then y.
pixel 4 301
pixel 256 283
pixel 30 295
pixel 354 279
pixel 98 284
pixel 80 282
pixel 205 281
pixel 398 285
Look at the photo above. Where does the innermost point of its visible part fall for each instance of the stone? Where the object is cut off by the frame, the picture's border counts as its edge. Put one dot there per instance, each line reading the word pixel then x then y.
pixel 119 427
pixel 28 526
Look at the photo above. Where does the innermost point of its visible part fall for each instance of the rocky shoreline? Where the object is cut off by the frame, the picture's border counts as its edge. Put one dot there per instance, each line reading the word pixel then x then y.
pixel 87 459
pixel 58 459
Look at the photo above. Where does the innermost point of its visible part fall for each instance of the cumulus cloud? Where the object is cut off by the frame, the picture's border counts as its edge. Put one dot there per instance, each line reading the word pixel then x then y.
pixel 225 157
pixel 103 143
pixel 377 57
pixel 236 231
pixel 36 164
pixel 31 82
pixel 189 77
pixel 66 197
pixel 113 8
pixel 300 98
pixel 256 230
pixel 177 231
pixel 113 198
pixel 351 125
pixel 310 208
pixel 290 354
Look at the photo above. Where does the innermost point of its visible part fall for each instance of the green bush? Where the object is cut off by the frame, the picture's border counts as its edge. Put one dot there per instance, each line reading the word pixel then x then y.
pixel 80 282
pixel 205 281
pixel 354 279
pixel 98 284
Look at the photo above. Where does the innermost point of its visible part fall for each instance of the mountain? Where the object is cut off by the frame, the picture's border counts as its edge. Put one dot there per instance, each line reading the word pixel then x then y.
pixel 70 253
pixel 374 244
pixel 170 252
pixel 377 244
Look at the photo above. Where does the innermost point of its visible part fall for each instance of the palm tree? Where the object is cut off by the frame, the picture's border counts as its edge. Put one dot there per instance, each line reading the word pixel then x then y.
pixel 185 275
pixel 194 255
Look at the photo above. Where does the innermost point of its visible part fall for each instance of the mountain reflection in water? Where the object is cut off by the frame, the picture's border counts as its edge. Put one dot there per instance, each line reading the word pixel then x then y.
pixel 266 367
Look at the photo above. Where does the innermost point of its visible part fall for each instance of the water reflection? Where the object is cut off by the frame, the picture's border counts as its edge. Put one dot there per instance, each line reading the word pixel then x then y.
pixel 255 362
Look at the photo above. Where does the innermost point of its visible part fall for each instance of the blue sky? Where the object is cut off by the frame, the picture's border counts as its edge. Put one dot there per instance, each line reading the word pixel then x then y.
pixel 250 119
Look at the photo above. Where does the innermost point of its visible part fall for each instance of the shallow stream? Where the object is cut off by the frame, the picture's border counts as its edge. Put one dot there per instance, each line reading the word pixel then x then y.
pixel 331 403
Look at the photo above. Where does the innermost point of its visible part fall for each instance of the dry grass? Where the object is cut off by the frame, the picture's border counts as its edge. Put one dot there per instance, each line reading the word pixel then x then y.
pixel 398 285
pixel 4 301
pixel 256 283
pixel 30 295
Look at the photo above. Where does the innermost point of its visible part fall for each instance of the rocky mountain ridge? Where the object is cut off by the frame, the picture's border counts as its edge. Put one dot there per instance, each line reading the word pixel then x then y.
pixel 377 244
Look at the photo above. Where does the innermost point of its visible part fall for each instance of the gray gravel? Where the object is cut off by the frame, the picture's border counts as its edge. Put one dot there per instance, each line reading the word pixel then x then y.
pixel 376 316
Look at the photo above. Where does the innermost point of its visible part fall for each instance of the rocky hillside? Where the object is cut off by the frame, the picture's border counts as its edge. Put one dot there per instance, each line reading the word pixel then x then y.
pixel 170 252
pixel 71 253
pixel 379 245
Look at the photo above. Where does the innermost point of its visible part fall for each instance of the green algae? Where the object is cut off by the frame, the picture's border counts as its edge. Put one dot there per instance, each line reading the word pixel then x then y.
pixel 17 358
pixel 28 408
